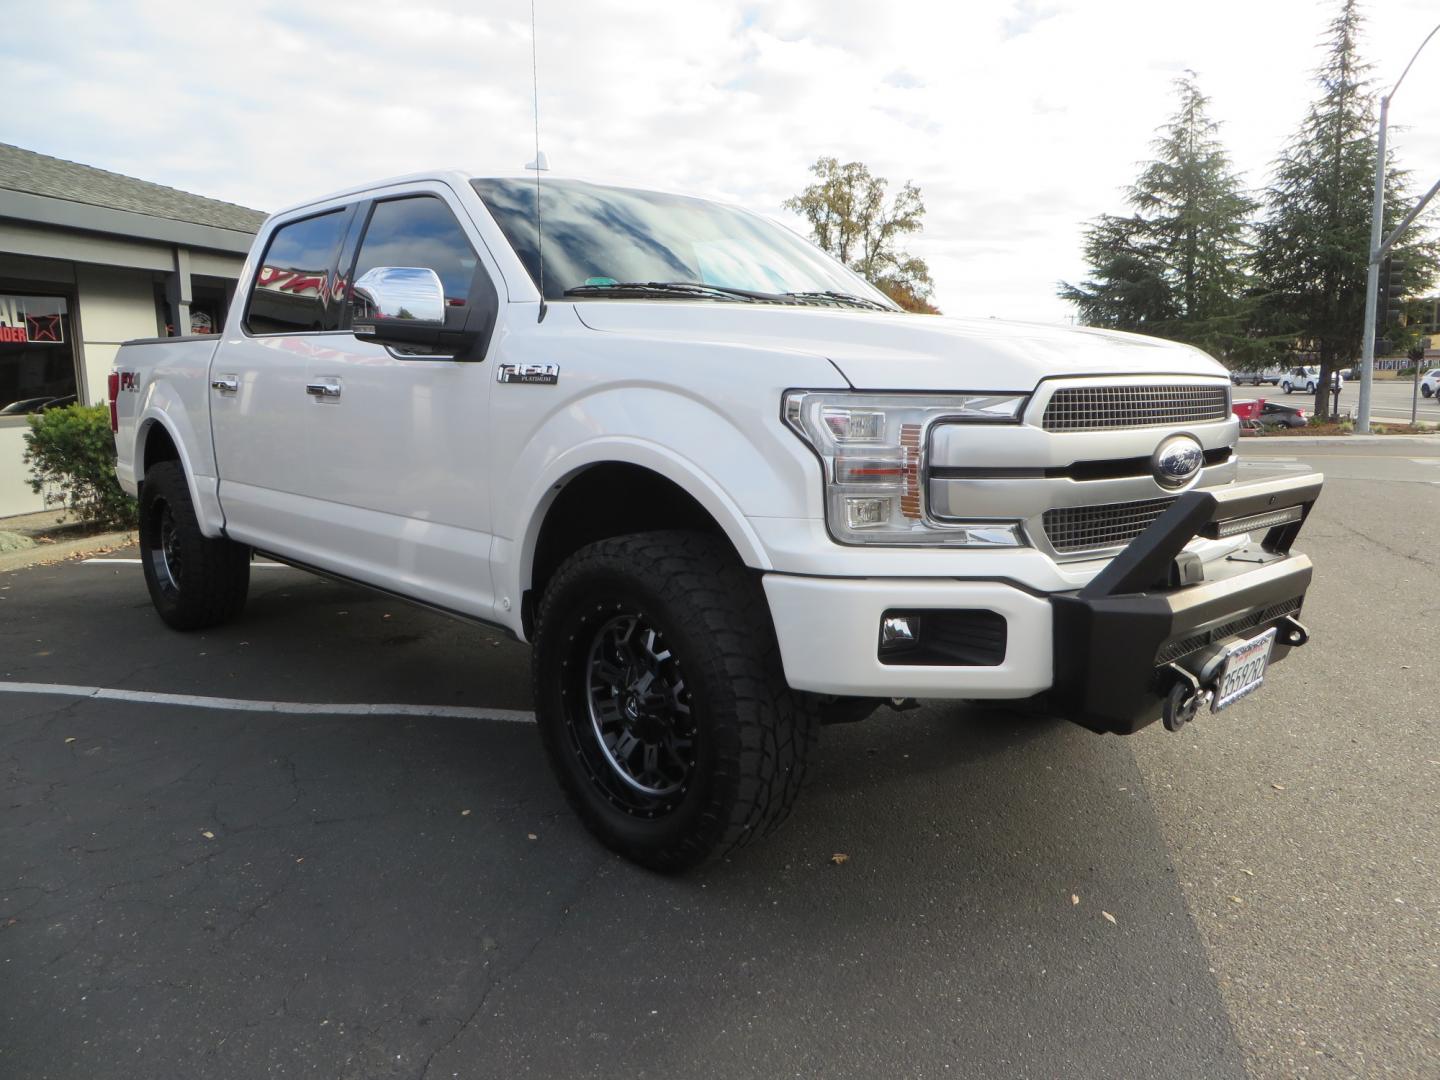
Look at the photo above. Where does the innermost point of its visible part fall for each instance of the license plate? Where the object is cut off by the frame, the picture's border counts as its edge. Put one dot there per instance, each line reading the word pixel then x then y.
pixel 1244 670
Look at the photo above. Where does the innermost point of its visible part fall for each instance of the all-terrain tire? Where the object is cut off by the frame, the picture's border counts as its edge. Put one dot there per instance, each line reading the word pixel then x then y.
pixel 194 581
pixel 730 739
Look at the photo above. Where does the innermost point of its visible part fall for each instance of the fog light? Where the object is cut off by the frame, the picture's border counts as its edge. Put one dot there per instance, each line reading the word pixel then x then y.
pixel 866 513
pixel 899 631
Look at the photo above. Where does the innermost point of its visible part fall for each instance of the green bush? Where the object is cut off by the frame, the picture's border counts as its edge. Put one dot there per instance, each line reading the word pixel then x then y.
pixel 71 454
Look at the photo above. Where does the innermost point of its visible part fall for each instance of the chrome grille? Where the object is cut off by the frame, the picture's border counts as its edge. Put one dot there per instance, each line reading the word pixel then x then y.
pixel 1095 528
pixel 1102 408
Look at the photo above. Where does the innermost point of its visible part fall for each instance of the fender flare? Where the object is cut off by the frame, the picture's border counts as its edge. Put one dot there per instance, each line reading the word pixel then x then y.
pixel 628 450
pixel 203 498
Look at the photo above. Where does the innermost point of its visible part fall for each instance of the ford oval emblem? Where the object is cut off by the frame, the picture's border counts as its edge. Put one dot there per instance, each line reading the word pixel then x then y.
pixel 1177 460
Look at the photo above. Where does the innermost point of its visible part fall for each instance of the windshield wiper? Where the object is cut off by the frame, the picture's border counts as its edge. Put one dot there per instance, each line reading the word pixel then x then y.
pixel 677 289
pixel 839 298
pixel 700 290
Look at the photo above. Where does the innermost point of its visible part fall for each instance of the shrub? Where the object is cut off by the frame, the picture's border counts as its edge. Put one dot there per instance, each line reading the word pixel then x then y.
pixel 71 454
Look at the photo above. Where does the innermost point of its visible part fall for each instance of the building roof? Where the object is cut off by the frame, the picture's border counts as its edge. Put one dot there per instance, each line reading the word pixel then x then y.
pixel 39 174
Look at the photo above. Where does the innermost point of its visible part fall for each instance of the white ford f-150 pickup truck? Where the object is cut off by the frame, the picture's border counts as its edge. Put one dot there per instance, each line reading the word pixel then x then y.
pixel 726 489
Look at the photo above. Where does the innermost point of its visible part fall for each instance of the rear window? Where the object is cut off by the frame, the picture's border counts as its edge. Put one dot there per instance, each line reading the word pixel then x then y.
pixel 291 292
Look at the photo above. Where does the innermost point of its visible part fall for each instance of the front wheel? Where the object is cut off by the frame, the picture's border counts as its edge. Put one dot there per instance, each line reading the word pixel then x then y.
pixel 661 701
pixel 194 581
pixel 1426 390
pixel 1285 386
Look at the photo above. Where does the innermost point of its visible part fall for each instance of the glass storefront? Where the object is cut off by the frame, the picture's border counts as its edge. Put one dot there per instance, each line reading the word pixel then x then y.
pixel 37 353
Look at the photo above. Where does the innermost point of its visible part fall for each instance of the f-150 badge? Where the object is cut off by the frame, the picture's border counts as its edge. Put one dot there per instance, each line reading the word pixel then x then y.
pixel 543 374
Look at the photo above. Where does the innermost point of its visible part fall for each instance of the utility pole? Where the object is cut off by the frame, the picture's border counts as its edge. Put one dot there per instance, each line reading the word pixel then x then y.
pixel 1372 278
pixel 1378 248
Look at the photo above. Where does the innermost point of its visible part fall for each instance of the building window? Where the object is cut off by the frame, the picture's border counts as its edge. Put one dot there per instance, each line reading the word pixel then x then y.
pixel 37 354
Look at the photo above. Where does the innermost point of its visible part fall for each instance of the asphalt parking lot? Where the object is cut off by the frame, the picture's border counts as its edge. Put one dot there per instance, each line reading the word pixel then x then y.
pixel 336 886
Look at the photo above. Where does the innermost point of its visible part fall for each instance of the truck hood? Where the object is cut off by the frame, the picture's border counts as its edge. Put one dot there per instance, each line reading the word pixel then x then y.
pixel 880 351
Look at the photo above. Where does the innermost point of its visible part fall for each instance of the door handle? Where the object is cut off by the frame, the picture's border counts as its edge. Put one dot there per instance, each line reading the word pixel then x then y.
pixel 226 383
pixel 328 389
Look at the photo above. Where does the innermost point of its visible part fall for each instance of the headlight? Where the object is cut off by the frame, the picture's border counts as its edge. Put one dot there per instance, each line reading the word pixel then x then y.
pixel 871 447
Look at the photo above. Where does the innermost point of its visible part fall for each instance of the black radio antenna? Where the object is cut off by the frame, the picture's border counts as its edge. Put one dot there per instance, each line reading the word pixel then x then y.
pixel 539 164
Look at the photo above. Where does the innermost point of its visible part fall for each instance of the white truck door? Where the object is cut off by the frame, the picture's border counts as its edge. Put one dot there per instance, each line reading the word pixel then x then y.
pixel 399 442
pixel 258 399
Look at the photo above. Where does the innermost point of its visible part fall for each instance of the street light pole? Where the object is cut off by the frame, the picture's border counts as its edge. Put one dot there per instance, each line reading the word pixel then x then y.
pixel 1372 277
pixel 1379 247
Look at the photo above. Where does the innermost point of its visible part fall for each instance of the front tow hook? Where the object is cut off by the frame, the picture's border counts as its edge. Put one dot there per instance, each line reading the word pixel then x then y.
pixel 1184 699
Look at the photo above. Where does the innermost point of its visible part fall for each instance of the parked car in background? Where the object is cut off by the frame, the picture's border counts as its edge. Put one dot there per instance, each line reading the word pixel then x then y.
pixel 26 405
pixel 1430 382
pixel 1305 378
pixel 1273 414
pixel 1270 376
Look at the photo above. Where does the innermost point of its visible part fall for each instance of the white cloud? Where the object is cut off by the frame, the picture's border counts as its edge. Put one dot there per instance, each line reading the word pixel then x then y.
pixel 1018 120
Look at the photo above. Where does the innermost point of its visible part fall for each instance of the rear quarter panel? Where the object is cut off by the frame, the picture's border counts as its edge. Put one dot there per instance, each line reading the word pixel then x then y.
pixel 165 385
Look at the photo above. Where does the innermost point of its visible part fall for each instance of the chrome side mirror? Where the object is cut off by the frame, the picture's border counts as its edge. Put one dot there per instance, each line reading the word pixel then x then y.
pixel 408 294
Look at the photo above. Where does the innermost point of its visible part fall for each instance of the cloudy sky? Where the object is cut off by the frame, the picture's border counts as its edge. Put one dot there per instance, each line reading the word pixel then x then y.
pixel 1019 119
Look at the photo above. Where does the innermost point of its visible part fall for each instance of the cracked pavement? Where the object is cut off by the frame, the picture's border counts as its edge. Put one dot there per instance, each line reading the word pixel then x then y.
pixel 347 917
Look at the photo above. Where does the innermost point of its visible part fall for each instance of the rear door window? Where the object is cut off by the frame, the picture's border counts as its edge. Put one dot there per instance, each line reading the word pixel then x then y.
pixel 292 292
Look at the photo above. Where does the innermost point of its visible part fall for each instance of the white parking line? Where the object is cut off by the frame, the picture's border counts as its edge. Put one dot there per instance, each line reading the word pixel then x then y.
pixel 136 562
pixel 300 708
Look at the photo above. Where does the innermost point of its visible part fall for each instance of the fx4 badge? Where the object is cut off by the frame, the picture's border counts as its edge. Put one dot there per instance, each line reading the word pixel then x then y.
pixel 541 374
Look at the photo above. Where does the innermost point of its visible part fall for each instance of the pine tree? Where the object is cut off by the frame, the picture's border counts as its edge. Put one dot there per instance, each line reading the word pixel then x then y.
pixel 1128 289
pixel 1312 248
pixel 1176 268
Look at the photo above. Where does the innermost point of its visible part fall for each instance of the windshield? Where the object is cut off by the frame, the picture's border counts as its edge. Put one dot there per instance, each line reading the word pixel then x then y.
pixel 596 237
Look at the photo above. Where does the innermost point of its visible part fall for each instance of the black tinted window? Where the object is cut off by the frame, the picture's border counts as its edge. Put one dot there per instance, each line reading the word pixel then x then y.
pixel 292 287
pixel 419 231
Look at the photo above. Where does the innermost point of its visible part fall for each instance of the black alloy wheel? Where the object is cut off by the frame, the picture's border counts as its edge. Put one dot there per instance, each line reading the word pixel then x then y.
pixel 661 700
pixel 162 547
pixel 637 733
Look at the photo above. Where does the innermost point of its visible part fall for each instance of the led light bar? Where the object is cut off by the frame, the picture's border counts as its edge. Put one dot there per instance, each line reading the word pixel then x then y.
pixel 1219 530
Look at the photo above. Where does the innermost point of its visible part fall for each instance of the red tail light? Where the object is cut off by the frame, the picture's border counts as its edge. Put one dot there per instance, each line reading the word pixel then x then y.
pixel 114 387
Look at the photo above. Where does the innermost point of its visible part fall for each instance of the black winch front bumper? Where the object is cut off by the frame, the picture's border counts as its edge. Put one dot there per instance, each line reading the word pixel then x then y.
pixel 1148 634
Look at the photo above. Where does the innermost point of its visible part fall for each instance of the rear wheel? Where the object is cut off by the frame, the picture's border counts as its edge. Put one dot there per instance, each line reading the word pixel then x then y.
pixel 661 701
pixel 1426 390
pixel 194 581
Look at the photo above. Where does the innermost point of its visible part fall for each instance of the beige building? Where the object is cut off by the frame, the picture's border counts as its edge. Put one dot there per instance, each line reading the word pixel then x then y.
pixel 89 259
